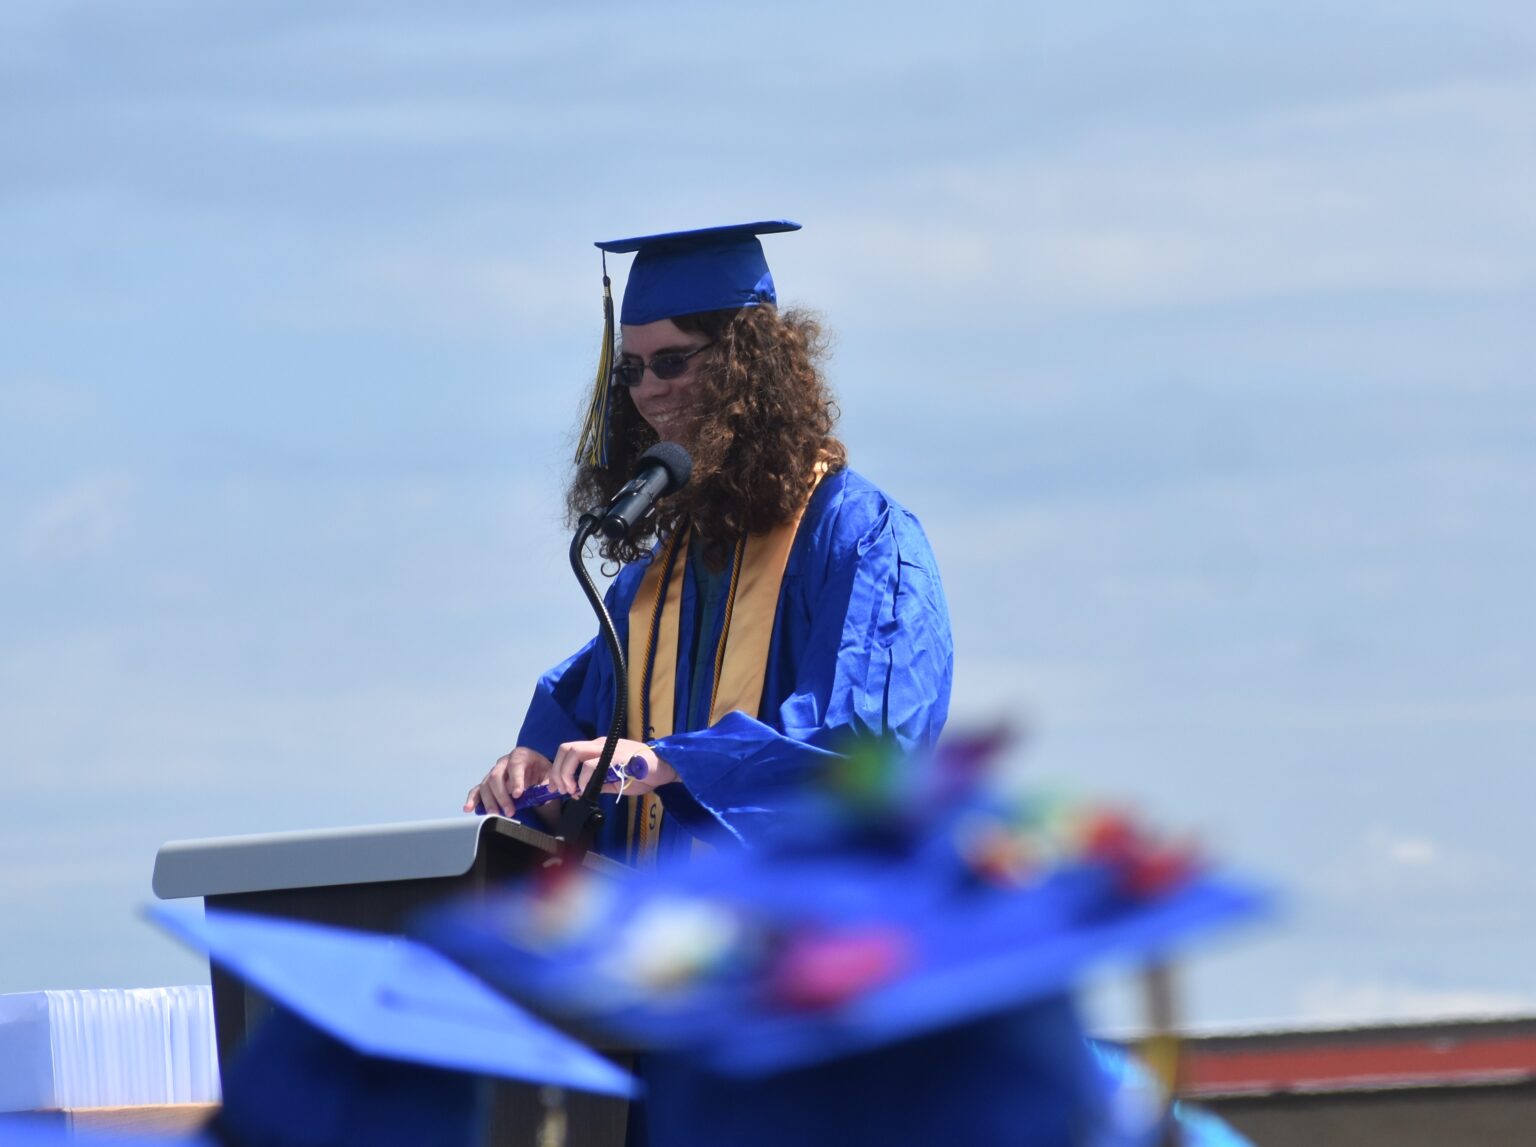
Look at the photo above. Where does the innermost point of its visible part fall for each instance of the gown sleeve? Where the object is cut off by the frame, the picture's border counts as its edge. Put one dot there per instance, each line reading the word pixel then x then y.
pixel 864 650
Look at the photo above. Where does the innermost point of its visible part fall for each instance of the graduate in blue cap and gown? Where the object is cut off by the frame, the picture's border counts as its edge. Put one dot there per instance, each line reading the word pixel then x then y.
pixel 776 608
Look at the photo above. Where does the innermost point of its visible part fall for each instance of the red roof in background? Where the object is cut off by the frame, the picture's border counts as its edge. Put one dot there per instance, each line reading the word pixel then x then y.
pixel 1460 1053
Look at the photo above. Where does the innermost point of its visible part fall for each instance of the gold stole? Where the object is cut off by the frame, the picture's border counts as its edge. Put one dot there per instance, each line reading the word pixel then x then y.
pixel 741 658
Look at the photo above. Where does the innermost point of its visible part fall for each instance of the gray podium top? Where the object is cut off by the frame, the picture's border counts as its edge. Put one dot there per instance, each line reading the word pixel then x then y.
pixel 318 858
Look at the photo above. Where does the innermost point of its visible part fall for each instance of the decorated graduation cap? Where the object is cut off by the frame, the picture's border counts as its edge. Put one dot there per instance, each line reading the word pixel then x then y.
pixel 677 273
pixel 372 1040
pixel 874 979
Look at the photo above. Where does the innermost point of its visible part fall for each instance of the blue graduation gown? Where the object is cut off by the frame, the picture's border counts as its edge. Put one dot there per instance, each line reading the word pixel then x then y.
pixel 861 646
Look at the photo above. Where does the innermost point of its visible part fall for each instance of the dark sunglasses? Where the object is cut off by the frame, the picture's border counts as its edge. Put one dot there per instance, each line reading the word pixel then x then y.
pixel 666 366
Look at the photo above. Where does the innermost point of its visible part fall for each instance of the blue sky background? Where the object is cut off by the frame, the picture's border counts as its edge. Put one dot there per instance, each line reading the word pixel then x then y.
pixel 1199 335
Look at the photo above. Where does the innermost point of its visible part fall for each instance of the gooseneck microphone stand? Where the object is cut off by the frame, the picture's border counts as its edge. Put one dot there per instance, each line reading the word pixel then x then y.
pixel 581 819
pixel 663 469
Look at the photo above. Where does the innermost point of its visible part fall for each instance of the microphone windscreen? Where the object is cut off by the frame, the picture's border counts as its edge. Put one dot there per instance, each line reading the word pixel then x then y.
pixel 672 458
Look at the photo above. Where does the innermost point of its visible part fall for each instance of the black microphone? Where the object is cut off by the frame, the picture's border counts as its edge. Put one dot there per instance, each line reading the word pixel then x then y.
pixel 664 469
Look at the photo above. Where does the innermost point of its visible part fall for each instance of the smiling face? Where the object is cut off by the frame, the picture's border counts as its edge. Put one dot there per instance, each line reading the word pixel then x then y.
pixel 664 403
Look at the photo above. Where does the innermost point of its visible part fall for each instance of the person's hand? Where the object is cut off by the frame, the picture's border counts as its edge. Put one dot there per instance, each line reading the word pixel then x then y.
pixel 575 760
pixel 518 770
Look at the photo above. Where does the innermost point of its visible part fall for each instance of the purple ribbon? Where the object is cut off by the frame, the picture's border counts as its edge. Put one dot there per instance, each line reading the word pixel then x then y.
pixel 637 769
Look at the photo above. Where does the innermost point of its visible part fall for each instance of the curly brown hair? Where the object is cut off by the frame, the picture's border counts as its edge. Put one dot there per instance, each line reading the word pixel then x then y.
pixel 763 419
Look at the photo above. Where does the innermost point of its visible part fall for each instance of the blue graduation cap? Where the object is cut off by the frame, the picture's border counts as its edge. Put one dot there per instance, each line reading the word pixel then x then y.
pixel 373 1040
pixel 886 991
pixel 676 273
pixel 686 272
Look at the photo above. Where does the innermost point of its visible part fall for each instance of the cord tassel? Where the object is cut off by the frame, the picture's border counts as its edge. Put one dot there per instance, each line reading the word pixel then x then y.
pixel 593 447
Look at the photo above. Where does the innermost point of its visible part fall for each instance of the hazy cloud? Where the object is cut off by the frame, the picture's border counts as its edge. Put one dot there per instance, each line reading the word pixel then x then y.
pixel 79 521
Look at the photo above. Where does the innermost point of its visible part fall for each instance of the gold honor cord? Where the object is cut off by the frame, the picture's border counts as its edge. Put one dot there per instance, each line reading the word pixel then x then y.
pixel 725 632
pixel 659 603
pixel 741 658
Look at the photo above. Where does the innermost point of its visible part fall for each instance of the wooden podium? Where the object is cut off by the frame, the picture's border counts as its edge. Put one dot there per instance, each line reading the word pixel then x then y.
pixel 375 879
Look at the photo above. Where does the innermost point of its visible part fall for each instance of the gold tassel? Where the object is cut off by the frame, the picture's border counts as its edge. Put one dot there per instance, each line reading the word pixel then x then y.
pixel 554 1127
pixel 593 447
pixel 1160 1048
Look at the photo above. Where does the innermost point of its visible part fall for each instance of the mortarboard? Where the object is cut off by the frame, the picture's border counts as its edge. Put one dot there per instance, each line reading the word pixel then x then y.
pixel 677 273
pixel 878 981
pixel 373 1040
pixel 738 955
pixel 686 272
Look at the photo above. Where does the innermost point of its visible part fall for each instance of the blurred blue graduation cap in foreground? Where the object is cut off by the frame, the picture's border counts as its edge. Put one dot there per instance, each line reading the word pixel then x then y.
pixel 686 272
pixel 884 981
pixel 373 1040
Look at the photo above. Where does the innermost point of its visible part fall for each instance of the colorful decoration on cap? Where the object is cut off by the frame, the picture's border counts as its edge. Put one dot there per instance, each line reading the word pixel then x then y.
pixel 819 967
